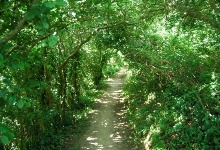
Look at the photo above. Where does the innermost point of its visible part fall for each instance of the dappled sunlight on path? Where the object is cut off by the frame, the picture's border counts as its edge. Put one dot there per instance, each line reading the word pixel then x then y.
pixel 108 129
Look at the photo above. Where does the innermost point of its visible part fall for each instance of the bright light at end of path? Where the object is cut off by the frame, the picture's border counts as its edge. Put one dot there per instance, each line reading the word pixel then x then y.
pixel 91 139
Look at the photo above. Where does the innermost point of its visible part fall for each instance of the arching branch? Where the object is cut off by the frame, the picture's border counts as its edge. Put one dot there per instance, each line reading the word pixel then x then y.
pixel 11 34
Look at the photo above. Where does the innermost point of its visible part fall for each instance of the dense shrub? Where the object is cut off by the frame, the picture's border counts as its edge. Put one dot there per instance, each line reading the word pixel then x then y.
pixel 173 92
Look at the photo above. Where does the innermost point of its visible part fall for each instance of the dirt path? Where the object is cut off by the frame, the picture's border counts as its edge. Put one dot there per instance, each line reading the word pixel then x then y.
pixel 108 129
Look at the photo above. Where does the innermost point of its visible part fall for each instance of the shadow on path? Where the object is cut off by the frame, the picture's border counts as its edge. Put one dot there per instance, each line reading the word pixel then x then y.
pixel 108 129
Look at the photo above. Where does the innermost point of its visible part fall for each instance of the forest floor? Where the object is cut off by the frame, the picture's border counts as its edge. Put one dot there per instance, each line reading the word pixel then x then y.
pixel 108 129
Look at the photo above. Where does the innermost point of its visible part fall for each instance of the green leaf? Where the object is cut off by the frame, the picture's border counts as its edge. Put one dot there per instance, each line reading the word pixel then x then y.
pixel 216 140
pixel 31 14
pixel 21 65
pixel 6 132
pixel 60 3
pixel 4 129
pixel 49 4
pixel 45 25
pixel 39 26
pixel 18 65
pixel 44 43
pixel 41 33
pixel 15 66
pixel 10 135
pixel 16 89
pixel 11 100
pixel 28 104
pixel 52 41
pixel 20 103
pixel 4 140
pixel 1 60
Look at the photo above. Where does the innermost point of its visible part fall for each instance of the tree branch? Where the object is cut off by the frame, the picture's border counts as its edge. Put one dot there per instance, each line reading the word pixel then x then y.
pixel 204 18
pixel 34 42
pixel 200 101
pixel 11 34
pixel 200 16
pixel 77 47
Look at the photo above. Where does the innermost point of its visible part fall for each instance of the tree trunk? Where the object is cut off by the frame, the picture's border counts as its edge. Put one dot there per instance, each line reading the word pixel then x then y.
pixel 76 84
pixel 47 96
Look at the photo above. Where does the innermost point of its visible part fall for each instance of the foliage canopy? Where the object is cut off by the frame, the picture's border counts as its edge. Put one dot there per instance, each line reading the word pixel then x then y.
pixel 54 54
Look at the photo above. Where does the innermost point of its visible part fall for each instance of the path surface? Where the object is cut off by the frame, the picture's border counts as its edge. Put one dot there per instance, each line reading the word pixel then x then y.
pixel 108 129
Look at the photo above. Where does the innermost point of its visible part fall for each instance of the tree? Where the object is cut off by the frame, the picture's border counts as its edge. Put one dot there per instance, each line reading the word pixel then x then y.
pixel 54 54
pixel 173 65
pixel 43 80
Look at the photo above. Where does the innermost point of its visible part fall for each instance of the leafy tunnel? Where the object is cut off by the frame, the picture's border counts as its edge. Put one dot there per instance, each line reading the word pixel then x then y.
pixel 56 54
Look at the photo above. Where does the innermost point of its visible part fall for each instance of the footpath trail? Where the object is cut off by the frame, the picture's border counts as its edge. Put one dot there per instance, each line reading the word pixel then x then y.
pixel 108 128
